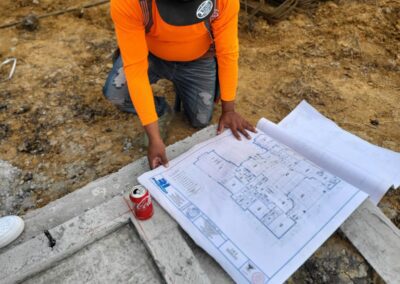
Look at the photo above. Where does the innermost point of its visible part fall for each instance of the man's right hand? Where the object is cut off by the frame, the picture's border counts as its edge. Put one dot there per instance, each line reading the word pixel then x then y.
pixel 156 154
pixel 156 151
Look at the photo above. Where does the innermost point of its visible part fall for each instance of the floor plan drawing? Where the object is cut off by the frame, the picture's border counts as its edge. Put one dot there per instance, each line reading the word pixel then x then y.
pixel 259 208
pixel 293 185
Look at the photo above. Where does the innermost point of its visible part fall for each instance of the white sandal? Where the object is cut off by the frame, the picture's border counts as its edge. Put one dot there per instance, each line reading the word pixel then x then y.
pixel 10 229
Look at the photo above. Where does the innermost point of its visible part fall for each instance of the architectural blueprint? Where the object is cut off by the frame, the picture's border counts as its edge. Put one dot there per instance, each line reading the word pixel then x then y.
pixel 256 206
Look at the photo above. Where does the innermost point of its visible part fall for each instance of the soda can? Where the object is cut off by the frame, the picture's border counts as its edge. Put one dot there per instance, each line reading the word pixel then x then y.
pixel 142 205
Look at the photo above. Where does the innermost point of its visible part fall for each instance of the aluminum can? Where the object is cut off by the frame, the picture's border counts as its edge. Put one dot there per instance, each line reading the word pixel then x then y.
pixel 142 205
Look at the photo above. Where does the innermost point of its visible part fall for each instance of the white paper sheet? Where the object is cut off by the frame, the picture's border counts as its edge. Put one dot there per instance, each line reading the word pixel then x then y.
pixel 308 125
pixel 351 173
pixel 256 206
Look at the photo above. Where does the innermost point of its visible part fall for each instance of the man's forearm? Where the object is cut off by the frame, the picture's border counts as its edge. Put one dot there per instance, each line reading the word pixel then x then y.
pixel 152 131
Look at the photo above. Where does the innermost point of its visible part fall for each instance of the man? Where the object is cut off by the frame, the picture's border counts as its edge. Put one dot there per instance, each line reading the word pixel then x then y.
pixel 194 44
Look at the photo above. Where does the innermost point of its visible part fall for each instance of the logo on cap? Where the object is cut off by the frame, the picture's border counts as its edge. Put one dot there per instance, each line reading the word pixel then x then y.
pixel 204 9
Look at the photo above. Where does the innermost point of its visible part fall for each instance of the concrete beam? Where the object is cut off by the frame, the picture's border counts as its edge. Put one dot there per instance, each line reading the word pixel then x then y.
pixel 376 238
pixel 164 241
pixel 35 255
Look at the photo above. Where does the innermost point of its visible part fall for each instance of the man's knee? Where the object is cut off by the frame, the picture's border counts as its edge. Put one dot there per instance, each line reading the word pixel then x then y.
pixel 115 88
pixel 199 110
pixel 114 95
pixel 200 120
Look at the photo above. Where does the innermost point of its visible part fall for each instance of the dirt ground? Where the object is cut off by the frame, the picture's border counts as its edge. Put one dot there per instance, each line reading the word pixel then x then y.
pixel 56 126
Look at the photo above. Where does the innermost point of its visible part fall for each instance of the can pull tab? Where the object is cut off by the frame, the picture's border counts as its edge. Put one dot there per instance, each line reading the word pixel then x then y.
pixel 13 62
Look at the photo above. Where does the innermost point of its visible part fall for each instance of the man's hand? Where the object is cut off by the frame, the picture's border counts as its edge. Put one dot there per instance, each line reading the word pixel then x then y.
pixel 156 154
pixel 233 120
pixel 156 151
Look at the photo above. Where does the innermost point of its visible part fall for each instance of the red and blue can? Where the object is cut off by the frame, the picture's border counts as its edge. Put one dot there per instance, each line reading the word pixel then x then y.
pixel 142 205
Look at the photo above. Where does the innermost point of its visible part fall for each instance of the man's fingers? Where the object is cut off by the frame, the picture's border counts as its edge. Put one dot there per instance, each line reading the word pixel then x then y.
pixel 251 127
pixel 235 132
pixel 158 161
pixel 221 127
pixel 155 162
pixel 244 132
pixel 164 160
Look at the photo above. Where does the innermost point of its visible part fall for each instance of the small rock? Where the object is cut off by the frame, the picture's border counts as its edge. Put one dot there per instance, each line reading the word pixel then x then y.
pixel 30 22
pixel 34 146
pixel 127 144
pixel 331 5
pixel 28 203
pixel 387 10
pixel 27 176
pixel 22 109
pixel 374 122
pixel 28 187
pixel 390 212
pixel 4 131
pixel 74 171
pixel 362 270
pixel 79 13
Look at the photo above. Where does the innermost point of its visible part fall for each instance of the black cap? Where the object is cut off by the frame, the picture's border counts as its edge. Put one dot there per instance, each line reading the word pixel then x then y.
pixel 185 12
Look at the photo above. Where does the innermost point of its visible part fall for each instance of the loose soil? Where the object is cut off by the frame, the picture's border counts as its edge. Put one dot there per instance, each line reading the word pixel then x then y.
pixel 55 125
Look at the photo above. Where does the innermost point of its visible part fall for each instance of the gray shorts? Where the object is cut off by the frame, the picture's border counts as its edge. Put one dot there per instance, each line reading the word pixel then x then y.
pixel 195 82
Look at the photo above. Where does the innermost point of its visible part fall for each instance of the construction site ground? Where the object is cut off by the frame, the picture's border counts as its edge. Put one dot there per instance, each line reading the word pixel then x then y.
pixel 60 132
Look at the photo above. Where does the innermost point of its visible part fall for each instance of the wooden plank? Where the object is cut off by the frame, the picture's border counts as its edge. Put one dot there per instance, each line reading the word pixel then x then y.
pixel 171 253
pixel 376 238
pixel 35 255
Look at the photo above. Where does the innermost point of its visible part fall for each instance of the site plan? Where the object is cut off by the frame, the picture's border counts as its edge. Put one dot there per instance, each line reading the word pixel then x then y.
pixel 256 206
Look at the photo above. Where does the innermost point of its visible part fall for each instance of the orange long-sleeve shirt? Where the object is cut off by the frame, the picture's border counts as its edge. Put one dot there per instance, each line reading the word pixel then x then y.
pixel 173 43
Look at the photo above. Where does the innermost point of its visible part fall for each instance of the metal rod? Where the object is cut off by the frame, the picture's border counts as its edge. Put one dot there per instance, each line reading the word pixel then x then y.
pixel 56 13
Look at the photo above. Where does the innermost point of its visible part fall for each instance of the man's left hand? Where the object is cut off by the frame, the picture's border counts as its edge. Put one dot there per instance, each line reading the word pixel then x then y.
pixel 236 123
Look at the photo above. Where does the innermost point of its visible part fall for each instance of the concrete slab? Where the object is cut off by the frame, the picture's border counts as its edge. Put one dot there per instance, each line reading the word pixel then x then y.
pixel 36 255
pixel 376 238
pixel 119 257
pixel 215 272
pixel 169 249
